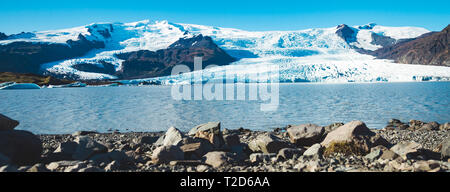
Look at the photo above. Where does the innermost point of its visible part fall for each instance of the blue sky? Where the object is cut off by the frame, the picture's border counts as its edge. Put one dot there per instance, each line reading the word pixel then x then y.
pixel 18 16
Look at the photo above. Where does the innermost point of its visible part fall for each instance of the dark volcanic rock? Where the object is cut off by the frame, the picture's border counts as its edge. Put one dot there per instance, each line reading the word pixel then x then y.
pixel 27 57
pixel 428 49
pixel 144 63
pixel 22 147
pixel 382 40
pixel 347 33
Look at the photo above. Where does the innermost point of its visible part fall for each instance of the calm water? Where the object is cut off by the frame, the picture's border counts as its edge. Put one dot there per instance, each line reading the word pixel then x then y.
pixel 153 109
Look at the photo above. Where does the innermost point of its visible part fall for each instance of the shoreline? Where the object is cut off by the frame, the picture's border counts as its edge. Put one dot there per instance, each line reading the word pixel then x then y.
pixel 399 147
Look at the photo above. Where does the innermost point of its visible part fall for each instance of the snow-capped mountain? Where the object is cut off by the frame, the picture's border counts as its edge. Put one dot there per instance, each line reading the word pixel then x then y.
pixel 334 54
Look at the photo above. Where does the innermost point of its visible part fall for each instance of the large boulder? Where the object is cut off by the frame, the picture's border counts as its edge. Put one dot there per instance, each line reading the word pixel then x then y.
pixel 21 147
pixel 87 147
pixel 6 123
pixel 314 152
pixel 217 158
pixel 357 133
pixel 196 150
pixel 306 134
pixel 166 154
pixel 173 136
pixel 209 131
pixel 267 143
pixel 408 149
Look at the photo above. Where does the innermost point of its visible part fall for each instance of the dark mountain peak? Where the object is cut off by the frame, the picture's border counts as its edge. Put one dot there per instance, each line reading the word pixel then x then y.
pixel 428 49
pixel 195 41
pixel 347 33
pixel 3 36
pixel 145 63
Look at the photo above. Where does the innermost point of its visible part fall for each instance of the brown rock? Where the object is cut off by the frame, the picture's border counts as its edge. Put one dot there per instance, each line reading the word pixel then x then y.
pixel 305 134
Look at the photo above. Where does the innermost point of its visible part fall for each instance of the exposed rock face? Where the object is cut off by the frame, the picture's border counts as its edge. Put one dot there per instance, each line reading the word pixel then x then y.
pixel 145 64
pixel 27 57
pixel 428 49
pixel 21 147
pixel 347 33
pixel 7 124
pixel 382 40
pixel 306 134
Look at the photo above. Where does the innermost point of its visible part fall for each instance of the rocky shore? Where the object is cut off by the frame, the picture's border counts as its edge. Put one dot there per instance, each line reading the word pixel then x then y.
pixel 415 146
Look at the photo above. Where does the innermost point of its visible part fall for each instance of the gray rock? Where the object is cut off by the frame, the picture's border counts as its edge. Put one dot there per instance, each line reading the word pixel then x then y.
pixel 427 166
pixel 445 150
pixel 61 165
pixel 389 155
pixel 357 133
pixel 67 148
pixel 407 150
pixel 314 152
pixel 260 157
pixel 87 147
pixel 7 124
pixel 267 143
pixel 375 154
pixel 306 134
pixel 21 147
pixel 209 131
pixel 217 158
pixel 173 136
pixel 211 127
pixel 165 154
pixel 290 153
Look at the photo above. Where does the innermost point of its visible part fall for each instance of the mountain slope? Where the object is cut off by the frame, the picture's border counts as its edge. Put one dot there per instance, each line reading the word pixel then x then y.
pixel 144 63
pixel 314 55
pixel 428 49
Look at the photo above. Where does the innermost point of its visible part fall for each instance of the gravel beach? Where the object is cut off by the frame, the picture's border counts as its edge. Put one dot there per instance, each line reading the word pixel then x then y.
pixel 351 147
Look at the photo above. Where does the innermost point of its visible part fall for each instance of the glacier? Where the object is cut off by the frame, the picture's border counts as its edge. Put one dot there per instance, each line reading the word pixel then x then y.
pixel 310 55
